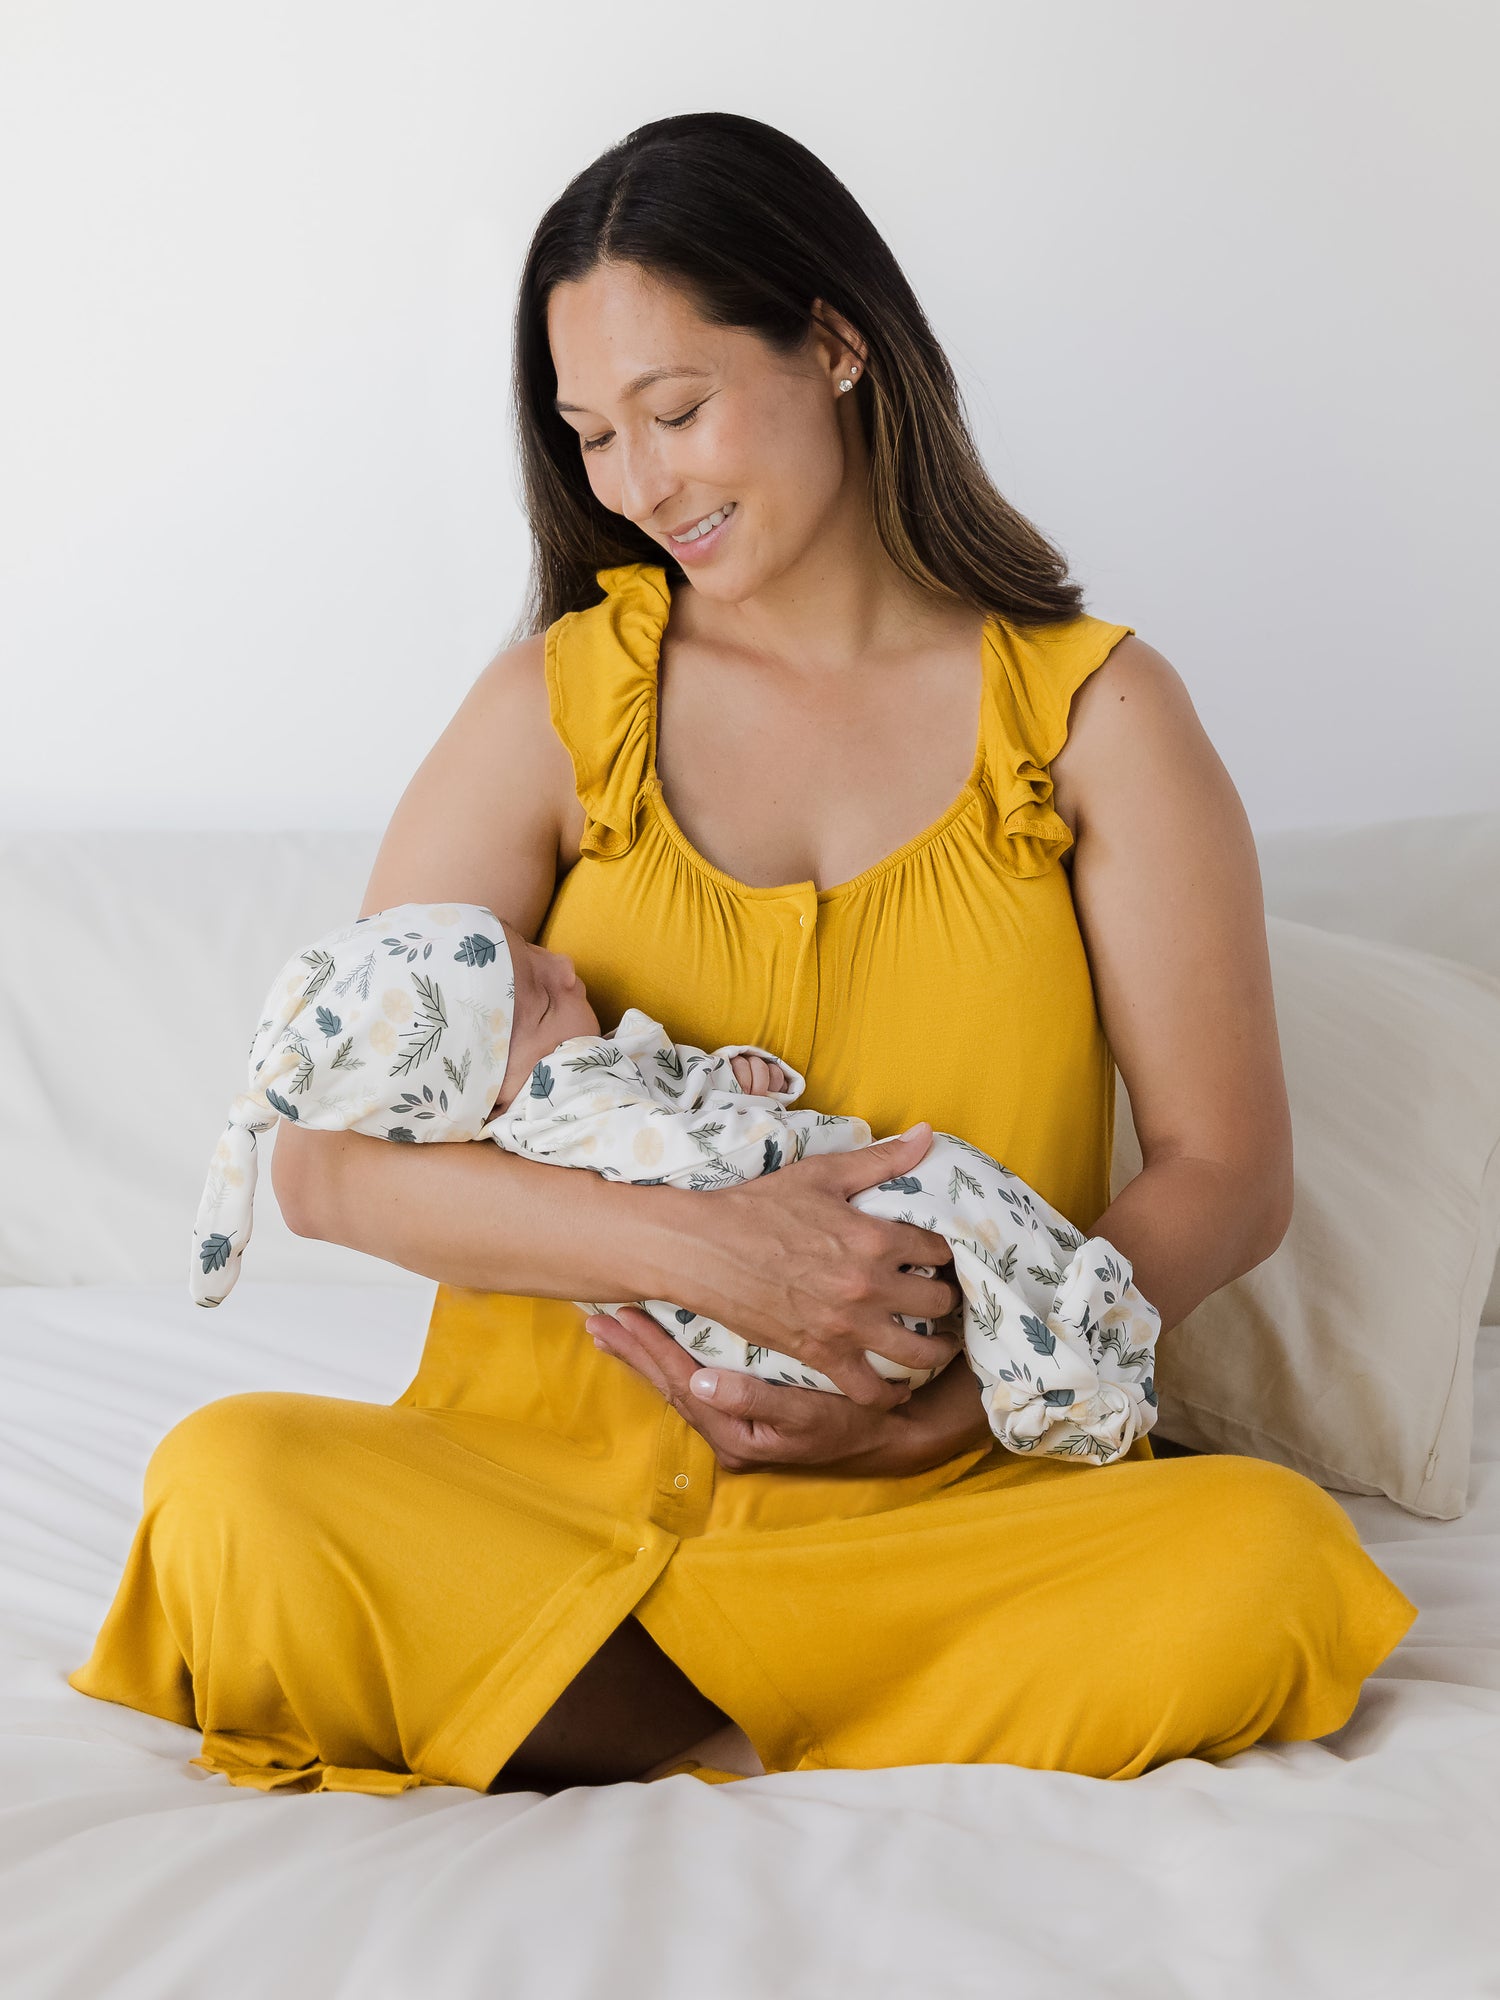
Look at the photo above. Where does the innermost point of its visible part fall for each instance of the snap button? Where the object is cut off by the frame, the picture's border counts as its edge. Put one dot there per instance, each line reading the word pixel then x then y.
pixel 802 920
pixel 681 1479
pixel 641 1550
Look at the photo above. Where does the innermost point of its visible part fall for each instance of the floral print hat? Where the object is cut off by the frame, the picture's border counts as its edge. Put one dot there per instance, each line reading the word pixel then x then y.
pixel 398 1025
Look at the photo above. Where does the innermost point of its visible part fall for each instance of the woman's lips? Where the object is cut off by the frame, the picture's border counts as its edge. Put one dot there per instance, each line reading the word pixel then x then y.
pixel 691 552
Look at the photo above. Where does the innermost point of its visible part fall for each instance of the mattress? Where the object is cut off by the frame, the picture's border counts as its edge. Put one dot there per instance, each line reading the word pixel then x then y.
pixel 1362 1863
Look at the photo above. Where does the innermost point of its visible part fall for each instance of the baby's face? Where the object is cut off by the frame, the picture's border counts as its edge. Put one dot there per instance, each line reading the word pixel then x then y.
pixel 551 1006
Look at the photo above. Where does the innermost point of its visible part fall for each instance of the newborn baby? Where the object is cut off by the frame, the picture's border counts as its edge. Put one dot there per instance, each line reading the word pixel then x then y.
pixel 441 1021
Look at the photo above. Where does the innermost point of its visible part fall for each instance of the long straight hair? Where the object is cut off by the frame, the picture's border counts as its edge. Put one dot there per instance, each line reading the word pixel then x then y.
pixel 753 227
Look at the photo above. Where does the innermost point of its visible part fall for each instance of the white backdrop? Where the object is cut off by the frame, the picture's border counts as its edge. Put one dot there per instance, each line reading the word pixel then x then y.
pixel 1218 282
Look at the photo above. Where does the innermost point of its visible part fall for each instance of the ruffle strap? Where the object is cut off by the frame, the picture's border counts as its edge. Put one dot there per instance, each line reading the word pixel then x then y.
pixel 1035 836
pixel 1033 675
pixel 601 686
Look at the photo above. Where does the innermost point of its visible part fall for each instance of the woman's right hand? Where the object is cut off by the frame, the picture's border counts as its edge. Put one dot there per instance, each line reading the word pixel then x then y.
pixel 786 1261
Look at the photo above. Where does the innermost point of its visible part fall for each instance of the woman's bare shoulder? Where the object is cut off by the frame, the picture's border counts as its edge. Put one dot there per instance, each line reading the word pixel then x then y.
pixel 1134 690
pixel 1136 748
pixel 490 815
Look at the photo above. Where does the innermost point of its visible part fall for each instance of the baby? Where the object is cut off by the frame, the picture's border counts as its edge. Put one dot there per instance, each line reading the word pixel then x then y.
pixel 441 1021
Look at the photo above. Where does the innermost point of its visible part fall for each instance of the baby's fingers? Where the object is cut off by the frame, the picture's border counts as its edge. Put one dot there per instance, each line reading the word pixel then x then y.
pixel 757 1077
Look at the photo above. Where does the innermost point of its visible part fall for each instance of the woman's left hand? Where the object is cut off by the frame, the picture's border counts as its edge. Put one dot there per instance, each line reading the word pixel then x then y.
pixel 753 1424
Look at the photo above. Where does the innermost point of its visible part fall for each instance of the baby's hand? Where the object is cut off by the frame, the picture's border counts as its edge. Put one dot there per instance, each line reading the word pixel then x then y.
pixel 756 1077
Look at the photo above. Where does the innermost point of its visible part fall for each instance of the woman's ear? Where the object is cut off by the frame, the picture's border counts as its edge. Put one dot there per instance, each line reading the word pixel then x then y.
pixel 839 339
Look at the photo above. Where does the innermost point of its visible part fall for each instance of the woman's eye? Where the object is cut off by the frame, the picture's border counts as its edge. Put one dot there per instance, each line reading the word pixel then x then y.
pixel 672 424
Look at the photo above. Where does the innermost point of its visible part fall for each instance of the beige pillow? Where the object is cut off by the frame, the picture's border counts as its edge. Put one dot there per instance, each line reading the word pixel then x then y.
pixel 1349 1353
pixel 1431 883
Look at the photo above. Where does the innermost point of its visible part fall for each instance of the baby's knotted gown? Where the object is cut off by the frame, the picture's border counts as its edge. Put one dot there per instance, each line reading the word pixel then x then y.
pixel 396 1025
pixel 351 1595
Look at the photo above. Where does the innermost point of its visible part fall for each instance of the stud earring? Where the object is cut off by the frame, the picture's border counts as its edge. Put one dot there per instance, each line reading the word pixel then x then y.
pixel 846 384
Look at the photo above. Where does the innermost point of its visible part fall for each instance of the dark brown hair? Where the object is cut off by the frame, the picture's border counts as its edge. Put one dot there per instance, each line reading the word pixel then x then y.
pixel 753 227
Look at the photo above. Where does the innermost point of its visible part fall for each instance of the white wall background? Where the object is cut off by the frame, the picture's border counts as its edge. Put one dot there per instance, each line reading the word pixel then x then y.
pixel 1219 281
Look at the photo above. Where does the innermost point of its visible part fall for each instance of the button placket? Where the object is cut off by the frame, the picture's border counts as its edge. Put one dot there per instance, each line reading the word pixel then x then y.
pixel 802 1006
pixel 684 1483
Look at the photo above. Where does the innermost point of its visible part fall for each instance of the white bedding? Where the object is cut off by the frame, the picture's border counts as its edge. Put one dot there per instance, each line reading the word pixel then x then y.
pixel 1364 1863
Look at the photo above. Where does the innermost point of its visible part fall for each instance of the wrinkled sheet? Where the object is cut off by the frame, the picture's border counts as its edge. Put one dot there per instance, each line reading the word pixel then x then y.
pixel 1364 1863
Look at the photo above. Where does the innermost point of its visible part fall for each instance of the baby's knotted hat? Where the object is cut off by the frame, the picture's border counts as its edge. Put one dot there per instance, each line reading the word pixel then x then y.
pixel 398 1025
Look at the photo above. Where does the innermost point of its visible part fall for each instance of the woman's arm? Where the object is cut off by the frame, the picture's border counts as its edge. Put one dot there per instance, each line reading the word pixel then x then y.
pixel 1167 890
pixel 476 1216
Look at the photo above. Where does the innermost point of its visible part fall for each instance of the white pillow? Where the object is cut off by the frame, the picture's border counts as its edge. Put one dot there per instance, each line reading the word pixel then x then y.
pixel 1431 883
pixel 1348 1354
pixel 119 1063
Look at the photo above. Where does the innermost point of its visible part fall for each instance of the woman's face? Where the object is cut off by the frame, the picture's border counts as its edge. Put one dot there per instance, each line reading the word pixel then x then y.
pixel 723 423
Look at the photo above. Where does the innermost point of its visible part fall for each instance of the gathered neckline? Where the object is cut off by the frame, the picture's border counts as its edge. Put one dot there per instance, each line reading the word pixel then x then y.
pixel 652 787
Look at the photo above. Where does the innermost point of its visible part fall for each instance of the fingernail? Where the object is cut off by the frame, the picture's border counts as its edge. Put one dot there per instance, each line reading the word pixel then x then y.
pixel 603 1346
pixel 704 1383
pixel 915 1129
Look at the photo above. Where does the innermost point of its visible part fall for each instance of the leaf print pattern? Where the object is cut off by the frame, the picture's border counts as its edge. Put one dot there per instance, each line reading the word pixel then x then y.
pixel 302 1075
pixel 428 1034
pixel 357 976
pixel 322 968
pixel 214 1251
pixel 720 1174
pixel 1041 1336
pixel 600 1057
pixel 409 947
pixel 476 950
pixel 987 1315
pixel 417 1106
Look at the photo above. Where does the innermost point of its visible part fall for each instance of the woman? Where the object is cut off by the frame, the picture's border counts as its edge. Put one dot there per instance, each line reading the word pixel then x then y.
pixel 745 790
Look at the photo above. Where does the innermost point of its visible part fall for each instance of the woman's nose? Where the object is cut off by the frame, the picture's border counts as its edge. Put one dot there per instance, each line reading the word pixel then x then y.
pixel 644 480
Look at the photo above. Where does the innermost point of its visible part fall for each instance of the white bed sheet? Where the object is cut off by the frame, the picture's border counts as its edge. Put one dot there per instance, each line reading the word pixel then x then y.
pixel 1364 1863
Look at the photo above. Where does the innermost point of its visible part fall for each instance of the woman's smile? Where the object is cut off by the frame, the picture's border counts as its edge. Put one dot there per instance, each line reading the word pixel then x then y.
pixel 701 540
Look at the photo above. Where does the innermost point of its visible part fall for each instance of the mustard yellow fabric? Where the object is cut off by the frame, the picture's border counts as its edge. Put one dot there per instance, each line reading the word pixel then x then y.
pixel 346 1595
